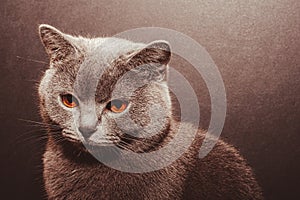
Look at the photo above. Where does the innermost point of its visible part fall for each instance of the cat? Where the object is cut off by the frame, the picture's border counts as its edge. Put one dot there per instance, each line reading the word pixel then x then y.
pixel 86 114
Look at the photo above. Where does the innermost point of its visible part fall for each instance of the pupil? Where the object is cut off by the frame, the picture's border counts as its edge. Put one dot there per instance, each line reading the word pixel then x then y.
pixel 70 98
pixel 108 105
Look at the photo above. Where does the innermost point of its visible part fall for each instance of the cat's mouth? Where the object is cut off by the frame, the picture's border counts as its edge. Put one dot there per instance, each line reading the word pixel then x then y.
pixel 90 142
pixel 103 142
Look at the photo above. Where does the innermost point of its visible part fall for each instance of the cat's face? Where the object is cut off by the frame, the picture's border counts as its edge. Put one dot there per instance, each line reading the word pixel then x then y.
pixel 104 91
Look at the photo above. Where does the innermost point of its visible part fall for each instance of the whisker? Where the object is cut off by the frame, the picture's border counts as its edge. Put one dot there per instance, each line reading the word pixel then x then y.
pixel 39 123
pixel 32 80
pixel 120 144
pixel 32 60
pixel 31 131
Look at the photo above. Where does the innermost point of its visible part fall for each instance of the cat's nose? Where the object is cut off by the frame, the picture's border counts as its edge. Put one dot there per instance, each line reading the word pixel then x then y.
pixel 87 131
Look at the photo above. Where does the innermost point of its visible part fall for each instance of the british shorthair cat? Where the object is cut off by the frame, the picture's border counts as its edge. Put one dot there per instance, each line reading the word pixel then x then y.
pixel 86 114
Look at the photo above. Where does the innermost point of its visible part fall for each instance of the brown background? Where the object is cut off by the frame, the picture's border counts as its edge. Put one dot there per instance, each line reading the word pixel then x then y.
pixel 255 44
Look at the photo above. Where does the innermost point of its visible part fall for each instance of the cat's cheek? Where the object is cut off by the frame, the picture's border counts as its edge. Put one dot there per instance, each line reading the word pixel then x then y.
pixel 56 113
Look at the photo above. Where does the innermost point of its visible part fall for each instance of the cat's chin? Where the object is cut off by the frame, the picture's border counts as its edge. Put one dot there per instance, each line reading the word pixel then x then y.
pixel 89 152
pixel 101 143
pixel 90 143
pixel 103 151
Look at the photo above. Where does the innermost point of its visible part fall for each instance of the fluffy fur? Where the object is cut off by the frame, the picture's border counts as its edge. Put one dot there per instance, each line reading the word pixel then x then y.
pixel 71 172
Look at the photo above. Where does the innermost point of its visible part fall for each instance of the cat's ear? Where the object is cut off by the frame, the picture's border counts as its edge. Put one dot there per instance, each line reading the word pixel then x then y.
pixel 158 51
pixel 157 54
pixel 56 43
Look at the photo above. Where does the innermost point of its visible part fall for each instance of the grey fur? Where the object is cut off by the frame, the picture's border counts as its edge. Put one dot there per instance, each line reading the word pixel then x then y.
pixel 70 172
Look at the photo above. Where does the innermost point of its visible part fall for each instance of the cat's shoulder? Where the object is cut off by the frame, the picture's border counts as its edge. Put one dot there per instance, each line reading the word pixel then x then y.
pixel 209 157
pixel 207 141
pixel 209 149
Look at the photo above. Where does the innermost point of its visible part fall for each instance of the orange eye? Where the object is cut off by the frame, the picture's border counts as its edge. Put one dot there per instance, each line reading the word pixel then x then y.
pixel 69 100
pixel 117 106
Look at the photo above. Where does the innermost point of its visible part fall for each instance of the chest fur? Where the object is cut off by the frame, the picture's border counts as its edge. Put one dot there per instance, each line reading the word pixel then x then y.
pixel 68 180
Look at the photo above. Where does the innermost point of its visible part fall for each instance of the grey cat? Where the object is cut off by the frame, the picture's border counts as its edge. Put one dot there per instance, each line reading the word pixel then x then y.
pixel 87 110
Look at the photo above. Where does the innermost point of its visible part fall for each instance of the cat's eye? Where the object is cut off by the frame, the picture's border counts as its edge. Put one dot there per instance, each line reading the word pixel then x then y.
pixel 117 105
pixel 69 101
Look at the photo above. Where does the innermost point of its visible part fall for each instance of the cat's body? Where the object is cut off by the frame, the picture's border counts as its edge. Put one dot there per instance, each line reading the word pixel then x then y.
pixel 223 174
pixel 71 172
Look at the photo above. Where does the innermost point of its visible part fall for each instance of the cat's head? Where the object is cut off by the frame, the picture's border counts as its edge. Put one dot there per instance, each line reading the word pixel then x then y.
pixel 105 91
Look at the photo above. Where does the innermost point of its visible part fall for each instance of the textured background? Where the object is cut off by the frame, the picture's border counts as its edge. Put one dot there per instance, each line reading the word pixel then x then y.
pixel 255 44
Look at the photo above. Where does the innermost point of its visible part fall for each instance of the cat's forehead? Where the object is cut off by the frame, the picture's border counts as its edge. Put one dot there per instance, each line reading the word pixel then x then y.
pixel 101 67
pixel 108 49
